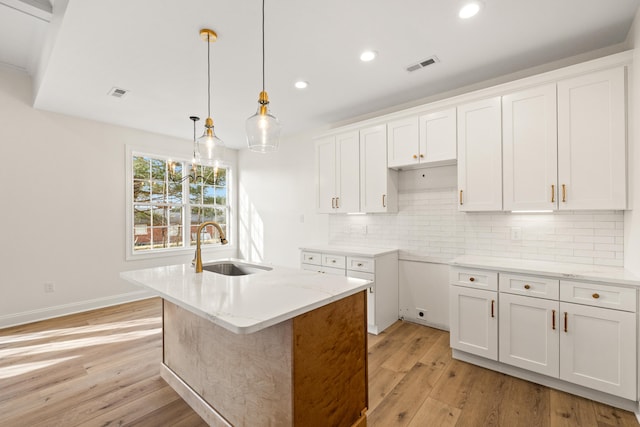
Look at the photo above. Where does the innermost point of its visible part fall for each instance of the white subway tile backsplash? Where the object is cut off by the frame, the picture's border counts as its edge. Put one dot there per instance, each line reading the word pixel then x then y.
pixel 429 224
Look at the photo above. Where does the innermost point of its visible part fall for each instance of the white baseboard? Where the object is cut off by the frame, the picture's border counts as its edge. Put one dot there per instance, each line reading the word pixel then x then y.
pixel 24 317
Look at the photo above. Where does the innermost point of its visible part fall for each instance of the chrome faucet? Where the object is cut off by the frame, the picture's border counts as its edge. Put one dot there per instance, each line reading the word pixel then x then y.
pixel 223 240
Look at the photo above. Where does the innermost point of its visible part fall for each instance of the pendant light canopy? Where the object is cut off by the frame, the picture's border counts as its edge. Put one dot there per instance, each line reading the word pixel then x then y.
pixel 263 128
pixel 210 147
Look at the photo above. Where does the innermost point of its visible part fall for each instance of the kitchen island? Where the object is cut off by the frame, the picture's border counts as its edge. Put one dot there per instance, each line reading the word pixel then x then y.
pixel 282 347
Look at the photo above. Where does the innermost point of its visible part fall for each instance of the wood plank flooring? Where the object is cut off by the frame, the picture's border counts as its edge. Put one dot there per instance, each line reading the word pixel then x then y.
pixel 101 368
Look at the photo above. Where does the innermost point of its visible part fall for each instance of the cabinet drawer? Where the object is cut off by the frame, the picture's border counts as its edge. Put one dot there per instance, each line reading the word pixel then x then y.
pixel 598 295
pixel 473 278
pixel 361 264
pixel 530 285
pixel 333 261
pixel 331 270
pixel 310 267
pixel 311 258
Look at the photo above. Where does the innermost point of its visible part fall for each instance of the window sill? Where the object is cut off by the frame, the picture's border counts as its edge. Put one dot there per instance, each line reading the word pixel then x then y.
pixel 174 253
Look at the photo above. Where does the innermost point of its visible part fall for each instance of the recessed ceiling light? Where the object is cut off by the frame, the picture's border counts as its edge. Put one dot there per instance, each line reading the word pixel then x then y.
pixel 469 9
pixel 301 84
pixel 368 55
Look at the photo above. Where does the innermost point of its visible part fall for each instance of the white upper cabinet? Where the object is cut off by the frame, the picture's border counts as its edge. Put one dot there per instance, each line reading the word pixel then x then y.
pixel 326 174
pixel 529 149
pixel 378 184
pixel 337 173
pixel 421 141
pixel 403 146
pixel 438 137
pixel 480 155
pixel 592 141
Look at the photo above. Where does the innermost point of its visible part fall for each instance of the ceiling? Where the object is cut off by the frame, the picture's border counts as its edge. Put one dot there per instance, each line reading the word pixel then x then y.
pixel 152 48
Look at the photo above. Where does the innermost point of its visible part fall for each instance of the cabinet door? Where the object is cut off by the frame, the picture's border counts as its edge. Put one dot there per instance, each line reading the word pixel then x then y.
pixel 529 333
pixel 474 321
pixel 529 149
pixel 375 194
pixel 598 349
pixel 592 141
pixel 438 136
pixel 403 142
pixel 480 156
pixel 348 173
pixel 326 174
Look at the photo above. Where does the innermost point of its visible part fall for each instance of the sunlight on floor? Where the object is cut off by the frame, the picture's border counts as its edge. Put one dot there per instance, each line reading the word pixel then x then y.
pixel 24 368
pixel 51 333
pixel 75 344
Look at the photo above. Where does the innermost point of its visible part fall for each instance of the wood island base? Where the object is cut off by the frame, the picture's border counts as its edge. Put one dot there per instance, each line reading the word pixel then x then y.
pixel 307 371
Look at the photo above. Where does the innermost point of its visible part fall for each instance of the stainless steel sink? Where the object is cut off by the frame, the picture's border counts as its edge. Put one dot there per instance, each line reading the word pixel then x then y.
pixel 234 268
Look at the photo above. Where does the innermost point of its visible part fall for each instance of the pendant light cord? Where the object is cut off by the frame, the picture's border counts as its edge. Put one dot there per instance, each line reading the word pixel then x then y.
pixel 208 74
pixel 263 45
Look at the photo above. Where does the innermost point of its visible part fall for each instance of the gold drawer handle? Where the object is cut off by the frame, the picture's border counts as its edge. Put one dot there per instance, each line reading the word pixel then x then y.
pixel 493 305
pixel 596 296
pixel 359 264
pixel 422 156
pixel 553 193
pixel 564 193
pixel 527 287
pixel 333 261
pixel 415 156
pixel 460 197
pixel 553 320
pixel 310 258
pixel 472 279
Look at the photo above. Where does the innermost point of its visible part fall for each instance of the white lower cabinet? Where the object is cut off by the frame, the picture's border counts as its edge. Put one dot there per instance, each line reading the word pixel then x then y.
pixel 379 267
pixel 542 329
pixel 529 333
pixel 598 349
pixel 474 321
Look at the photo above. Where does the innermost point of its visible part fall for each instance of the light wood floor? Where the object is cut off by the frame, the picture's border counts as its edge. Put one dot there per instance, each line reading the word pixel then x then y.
pixel 101 368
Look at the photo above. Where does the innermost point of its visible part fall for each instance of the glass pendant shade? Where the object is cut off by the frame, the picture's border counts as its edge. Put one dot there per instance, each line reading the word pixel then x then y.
pixel 263 130
pixel 210 147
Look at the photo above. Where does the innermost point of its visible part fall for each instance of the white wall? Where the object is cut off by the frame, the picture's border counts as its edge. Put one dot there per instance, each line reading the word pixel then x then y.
pixel 632 217
pixel 277 203
pixel 62 183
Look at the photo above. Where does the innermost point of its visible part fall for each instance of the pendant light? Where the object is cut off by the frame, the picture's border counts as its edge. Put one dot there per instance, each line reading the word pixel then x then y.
pixel 211 147
pixel 263 128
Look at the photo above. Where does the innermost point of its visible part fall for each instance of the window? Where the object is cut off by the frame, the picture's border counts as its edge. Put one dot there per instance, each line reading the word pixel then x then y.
pixel 170 199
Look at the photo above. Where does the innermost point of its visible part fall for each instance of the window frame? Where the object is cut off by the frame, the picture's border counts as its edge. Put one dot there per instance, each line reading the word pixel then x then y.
pixel 186 205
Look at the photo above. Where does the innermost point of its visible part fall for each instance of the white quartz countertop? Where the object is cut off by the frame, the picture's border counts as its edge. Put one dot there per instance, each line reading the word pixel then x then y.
pixel 349 250
pixel 245 304
pixel 613 275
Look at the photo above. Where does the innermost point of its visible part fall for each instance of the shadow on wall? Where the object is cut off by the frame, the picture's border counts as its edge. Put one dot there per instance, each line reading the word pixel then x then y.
pixel 251 229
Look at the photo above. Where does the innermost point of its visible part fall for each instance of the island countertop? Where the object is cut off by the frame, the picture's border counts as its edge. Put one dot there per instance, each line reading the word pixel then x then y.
pixel 245 304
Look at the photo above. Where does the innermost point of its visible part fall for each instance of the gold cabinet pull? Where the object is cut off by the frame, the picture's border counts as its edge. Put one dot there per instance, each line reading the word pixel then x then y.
pixel 493 305
pixel 596 295
pixel 553 193
pixel 333 203
pixel 415 156
pixel 564 193
pixel 553 320
pixel 472 279
pixel 359 264
pixel 422 156
pixel 566 327
pixel 384 200
pixel 337 202
pixel 460 197
pixel 527 287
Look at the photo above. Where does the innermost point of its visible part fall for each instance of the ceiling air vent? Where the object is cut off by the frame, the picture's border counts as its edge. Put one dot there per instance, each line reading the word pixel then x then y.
pixel 424 63
pixel 118 92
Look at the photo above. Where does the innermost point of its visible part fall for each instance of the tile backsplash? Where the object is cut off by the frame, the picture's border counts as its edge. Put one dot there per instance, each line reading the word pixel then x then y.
pixel 428 224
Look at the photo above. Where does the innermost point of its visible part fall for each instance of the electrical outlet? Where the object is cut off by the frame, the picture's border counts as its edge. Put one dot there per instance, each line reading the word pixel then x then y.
pixel 516 233
pixel 421 313
pixel 49 287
